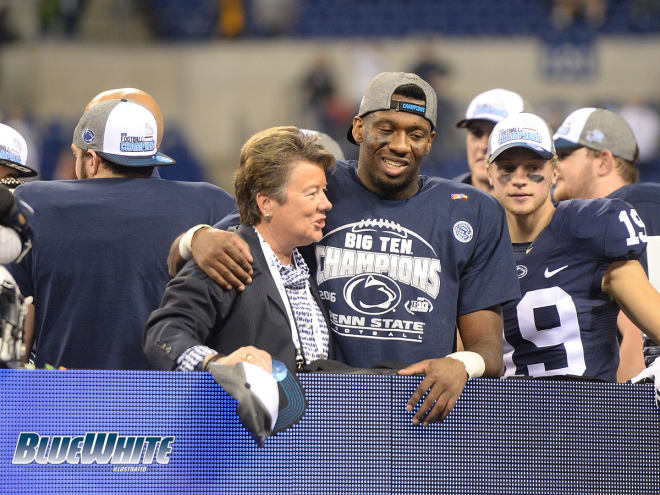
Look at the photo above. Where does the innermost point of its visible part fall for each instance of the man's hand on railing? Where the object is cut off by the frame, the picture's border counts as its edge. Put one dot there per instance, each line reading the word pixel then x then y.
pixel 444 380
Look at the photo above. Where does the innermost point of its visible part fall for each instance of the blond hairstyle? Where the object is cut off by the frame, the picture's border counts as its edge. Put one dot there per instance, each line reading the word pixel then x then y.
pixel 627 170
pixel 264 166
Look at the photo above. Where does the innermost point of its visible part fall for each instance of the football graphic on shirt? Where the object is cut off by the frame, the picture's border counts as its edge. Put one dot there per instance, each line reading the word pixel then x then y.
pixel 377 271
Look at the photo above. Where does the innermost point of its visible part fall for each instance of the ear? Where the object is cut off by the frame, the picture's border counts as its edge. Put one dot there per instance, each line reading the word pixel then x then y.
pixel 489 173
pixel 92 164
pixel 358 129
pixel 554 176
pixel 606 164
pixel 427 148
pixel 265 203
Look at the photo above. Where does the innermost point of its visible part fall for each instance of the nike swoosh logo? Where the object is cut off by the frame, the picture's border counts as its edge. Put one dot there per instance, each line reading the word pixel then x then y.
pixel 549 273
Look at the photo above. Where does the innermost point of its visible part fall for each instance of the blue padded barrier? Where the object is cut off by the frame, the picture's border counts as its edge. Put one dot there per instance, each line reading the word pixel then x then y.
pixel 513 436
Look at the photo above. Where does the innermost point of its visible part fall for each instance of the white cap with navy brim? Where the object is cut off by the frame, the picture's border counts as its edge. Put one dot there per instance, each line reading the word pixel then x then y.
pixel 14 151
pixel 523 130
pixel 267 403
pixel 494 105
pixel 122 132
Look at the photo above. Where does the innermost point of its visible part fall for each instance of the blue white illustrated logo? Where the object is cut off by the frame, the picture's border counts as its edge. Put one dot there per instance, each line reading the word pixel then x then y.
pixel 93 448
pixel 88 136
pixel 463 231
pixel 521 270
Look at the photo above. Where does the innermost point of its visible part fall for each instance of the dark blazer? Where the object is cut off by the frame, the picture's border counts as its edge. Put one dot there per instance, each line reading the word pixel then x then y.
pixel 195 310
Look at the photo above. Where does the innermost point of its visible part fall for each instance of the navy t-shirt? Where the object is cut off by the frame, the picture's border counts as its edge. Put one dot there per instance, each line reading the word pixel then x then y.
pixel 564 324
pixel 99 262
pixel 395 274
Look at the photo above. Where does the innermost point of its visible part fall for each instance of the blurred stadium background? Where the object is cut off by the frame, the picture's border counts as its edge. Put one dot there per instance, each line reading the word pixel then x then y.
pixel 223 69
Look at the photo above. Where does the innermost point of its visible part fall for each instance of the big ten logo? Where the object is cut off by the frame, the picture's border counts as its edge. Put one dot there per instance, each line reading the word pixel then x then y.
pixel 419 305
pixel 383 243
pixel 327 295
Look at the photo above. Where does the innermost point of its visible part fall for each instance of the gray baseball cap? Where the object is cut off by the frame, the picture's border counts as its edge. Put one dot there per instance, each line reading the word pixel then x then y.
pixel 378 96
pixel 598 129
pixel 122 132
pixel 494 105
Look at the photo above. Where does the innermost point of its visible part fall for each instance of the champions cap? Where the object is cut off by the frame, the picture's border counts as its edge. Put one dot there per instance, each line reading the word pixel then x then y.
pixel 378 96
pixel 522 130
pixel 267 403
pixel 122 132
pixel 598 129
pixel 14 151
pixel 494 105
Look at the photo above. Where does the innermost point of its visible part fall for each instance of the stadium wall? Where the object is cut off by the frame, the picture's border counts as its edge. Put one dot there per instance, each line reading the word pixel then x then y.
pixel 223 92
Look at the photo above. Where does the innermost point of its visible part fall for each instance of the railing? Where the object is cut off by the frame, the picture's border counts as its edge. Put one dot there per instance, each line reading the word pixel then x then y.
pixel 504 437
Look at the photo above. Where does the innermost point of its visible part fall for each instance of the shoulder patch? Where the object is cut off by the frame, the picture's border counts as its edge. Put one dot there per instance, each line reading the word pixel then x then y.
pixel 463 231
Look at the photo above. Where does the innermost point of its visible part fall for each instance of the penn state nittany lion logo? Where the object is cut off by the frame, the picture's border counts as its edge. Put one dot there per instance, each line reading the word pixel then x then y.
pixel 372 294
pixel 88 136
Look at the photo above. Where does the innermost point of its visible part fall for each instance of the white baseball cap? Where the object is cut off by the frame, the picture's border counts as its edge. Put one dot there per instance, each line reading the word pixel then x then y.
pixel 122 132
pixel 267 403
pixel 494 105
pixel 523 130
pixel 14 151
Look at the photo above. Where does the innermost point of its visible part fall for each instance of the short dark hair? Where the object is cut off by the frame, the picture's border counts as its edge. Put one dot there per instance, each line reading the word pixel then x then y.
pixel 131 172
pixel 264 166
pixel 124 171
pixel 410 91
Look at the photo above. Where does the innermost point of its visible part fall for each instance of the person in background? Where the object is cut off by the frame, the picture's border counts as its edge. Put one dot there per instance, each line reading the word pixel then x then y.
pixel 13 158
pixel 98 266
pixel 598 153
pixel 577 263
pixel 484 111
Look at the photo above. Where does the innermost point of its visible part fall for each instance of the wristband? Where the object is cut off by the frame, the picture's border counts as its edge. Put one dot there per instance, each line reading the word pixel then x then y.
pixel 474 362
pixel 185 244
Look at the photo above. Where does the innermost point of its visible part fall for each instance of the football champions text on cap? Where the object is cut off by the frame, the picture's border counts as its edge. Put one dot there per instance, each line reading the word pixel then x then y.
pixel 122 132
pixel 523 130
